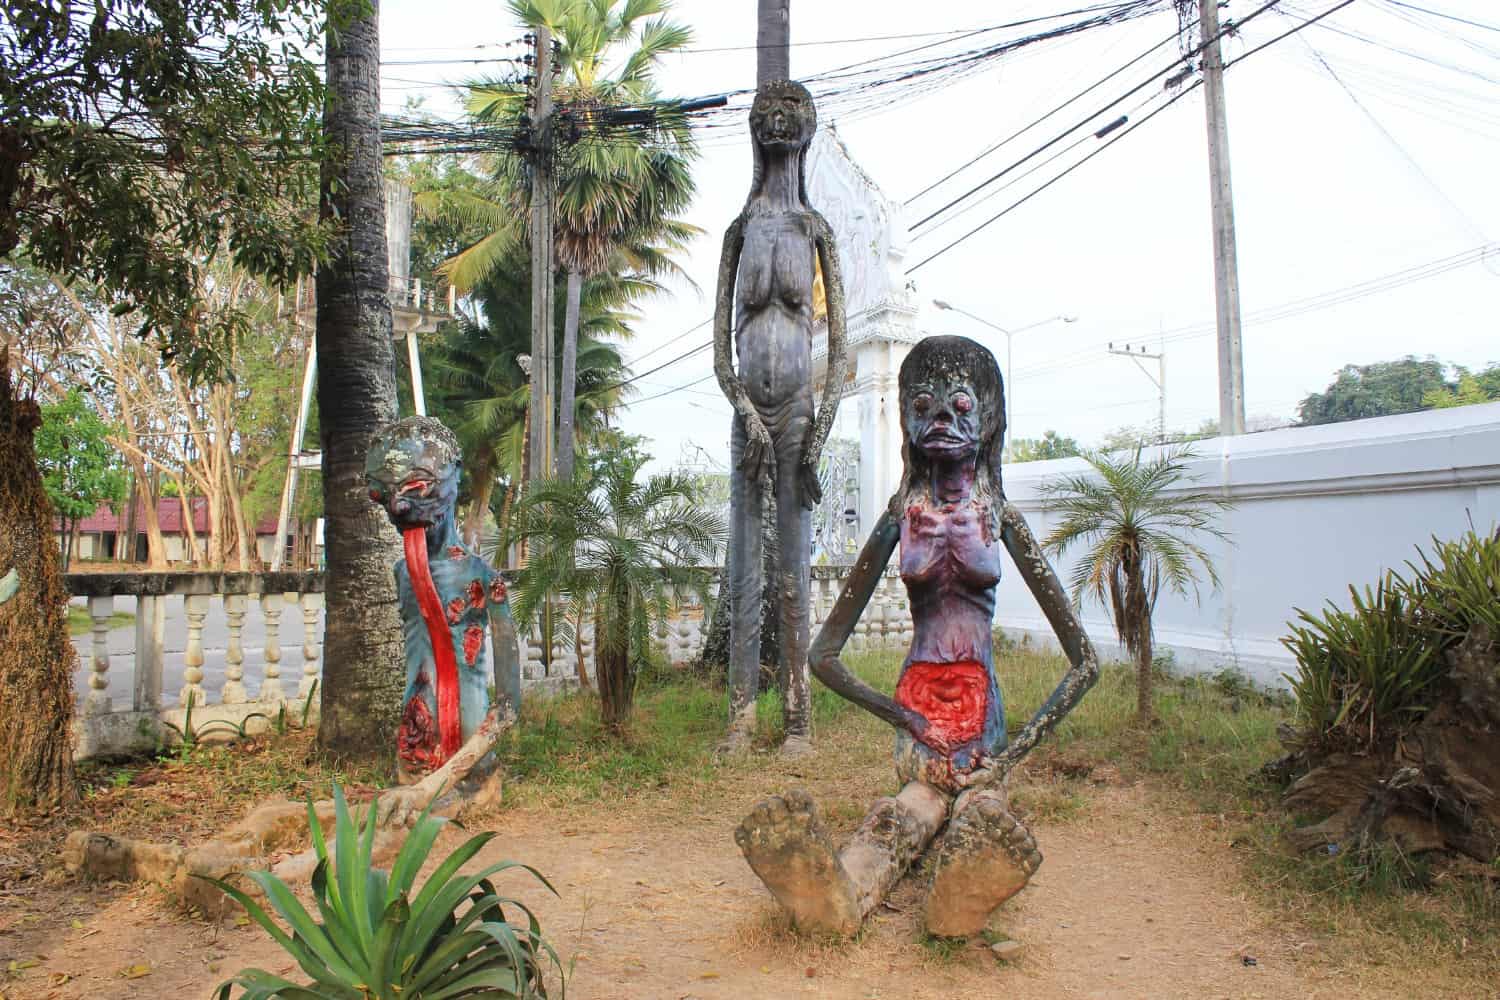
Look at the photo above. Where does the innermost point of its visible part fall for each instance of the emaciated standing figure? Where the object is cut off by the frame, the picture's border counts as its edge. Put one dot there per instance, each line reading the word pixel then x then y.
pixel 766 277
pixel 950 518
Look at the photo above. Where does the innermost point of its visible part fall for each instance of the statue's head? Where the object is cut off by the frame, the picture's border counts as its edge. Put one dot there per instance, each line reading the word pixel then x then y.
pixel 783 116
pixel 952 408
pixel 412 469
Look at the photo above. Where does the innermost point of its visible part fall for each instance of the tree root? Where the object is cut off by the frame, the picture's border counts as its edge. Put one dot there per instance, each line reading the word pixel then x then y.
pixel 274 837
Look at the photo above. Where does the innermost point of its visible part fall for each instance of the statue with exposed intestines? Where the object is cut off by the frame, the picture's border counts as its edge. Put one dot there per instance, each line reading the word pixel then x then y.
pixel 766 277
pixel 950 520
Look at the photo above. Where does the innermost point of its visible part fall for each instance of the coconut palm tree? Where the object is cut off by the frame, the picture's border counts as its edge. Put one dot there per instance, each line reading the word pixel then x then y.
pixel 619 551
pixel 619 190
pixel 1137 521
pixel 362 674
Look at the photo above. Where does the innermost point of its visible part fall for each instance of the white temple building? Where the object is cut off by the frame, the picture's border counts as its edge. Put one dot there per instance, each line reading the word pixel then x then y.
pixel 881 306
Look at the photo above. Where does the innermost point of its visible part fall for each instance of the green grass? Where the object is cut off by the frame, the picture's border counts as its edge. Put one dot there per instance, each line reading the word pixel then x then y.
pixel 79 622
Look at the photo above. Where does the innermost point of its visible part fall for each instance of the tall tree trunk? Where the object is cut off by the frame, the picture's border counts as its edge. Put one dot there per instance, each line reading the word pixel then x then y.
pixel 37 663
pixel 125 538
pixel 481 488
pixel 567 391
pixel 150 507
pixel 363 676
pixel 773 36
pixel 244 532
pixel 189 526
pixel 1139 612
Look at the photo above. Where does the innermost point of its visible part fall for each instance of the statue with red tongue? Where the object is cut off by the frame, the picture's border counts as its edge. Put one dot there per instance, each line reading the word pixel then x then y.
pixel 450 598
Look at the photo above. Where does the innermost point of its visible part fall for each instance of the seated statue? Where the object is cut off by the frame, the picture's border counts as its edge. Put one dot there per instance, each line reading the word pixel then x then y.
pixel 449 598
pixel 950 518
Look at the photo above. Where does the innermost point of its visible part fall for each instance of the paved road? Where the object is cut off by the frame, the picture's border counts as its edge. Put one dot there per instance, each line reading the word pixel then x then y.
pixel 215 639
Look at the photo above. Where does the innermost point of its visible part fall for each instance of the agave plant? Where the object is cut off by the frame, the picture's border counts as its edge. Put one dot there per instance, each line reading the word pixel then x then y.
pixel 377 941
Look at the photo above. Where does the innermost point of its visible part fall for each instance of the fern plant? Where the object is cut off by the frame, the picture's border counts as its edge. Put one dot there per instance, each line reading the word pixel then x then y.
pixel 378 940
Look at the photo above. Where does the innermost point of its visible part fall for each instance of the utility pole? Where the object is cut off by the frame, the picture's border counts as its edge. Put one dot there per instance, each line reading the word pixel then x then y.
pixel 1159 380
pixel 543 382
pixel 1226 269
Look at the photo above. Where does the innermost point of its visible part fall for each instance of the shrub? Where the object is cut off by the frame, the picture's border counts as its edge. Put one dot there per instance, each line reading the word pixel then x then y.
pixel 1367 673
pixel 377 942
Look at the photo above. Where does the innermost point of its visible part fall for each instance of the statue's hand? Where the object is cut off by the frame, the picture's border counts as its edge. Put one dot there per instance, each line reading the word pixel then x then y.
pixel 759 460
pixel 808 486
pixel 992 771
pixel 920 729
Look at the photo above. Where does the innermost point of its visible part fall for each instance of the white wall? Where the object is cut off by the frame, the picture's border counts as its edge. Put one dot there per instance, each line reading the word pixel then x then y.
pixel 1316 509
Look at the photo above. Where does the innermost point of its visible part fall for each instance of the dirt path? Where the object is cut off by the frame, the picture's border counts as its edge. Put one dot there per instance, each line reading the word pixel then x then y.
pixel 1131 902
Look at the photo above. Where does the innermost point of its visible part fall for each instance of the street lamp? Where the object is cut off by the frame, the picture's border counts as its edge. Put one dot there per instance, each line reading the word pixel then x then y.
pixel 1009 370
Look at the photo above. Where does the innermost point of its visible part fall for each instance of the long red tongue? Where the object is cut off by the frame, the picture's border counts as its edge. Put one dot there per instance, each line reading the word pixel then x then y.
pixel 450 728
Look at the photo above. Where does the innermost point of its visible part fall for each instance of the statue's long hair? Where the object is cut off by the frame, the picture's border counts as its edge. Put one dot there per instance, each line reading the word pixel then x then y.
pixel 955 357
pixel 758 177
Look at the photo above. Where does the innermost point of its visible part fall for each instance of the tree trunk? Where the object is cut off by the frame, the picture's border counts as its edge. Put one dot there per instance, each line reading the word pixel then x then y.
pixel 612 668
pixel 67 543
pixel 244 532
pixel 125 540
pixel 1143 708
pixel 567 391
pixel 36 668
pixel 773 36
pixel 189 529
pixel 481 488
pixel 363 675
pixel 156 545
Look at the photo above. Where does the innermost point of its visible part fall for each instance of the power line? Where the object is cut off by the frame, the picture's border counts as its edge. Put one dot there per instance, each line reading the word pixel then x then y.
pixel 675 388
pixel 1446 17
pixel 1129 129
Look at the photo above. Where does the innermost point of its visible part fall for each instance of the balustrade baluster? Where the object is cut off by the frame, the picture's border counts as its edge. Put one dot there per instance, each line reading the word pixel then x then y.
pixel 97 701
pixel 234 653
pixel 195 606
pixel 270 608
pixel 311 604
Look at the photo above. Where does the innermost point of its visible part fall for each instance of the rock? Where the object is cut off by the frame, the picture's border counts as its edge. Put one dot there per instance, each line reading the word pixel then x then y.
pixel 1007 951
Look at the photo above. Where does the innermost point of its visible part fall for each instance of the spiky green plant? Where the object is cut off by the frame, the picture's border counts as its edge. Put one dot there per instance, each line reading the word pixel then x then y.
pixel 378 941
pixel 1366 673
pixel 1138 521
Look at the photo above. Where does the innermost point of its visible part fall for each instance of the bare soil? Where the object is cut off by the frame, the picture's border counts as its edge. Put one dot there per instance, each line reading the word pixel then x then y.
pixel 1135 898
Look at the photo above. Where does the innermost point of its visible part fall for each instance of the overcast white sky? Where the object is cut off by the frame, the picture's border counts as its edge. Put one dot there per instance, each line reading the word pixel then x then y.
pixel 1326 196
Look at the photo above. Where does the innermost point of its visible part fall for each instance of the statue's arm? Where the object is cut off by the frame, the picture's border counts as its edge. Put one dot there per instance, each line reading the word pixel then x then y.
pixel 823 657
pixel 506 651
pixel 1083 668
pixel 837 367
pixel 757 459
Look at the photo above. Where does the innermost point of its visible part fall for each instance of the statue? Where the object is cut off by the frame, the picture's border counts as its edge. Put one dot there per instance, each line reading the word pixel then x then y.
pixel 950 517
pixel 449 597
pixel 766 276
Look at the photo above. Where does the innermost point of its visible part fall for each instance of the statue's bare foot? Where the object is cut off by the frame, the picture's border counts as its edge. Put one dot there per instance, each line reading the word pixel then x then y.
pixel 740 735
pixel 987 857
pixel 796 745
pixel 788 848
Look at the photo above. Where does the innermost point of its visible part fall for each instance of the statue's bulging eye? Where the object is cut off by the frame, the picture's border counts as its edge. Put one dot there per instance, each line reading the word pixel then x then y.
pixel 922 401
pixel 375 495
pixel 962 402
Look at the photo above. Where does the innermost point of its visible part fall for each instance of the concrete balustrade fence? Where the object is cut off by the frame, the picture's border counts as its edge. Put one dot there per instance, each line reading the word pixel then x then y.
pixel 219 641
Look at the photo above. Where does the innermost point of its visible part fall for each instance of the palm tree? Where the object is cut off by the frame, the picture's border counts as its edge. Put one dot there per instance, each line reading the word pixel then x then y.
pixel 480 390
pixel 619 190
pixel 1136 520
pixel 616 550
pixel 362 675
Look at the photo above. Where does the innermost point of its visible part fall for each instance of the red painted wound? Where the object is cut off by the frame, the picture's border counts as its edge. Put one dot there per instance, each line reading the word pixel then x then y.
pixel 416 740
pixel 497 591
pixel 952 697
pixel 473 639
pixel 476 594
pixel 456 610
pixel 455 552
pixel 446 667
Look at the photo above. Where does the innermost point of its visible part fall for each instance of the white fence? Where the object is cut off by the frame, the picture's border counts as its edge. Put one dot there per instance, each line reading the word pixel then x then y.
pixel 1316 509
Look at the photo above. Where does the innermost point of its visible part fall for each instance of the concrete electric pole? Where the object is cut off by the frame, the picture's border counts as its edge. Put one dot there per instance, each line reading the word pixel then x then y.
pixel 543 379
pixel 1159 380
pixel 1226 269
pixel 773 36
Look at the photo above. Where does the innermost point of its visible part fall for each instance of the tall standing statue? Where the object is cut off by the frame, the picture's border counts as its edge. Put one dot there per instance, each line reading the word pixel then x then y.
pixel 766 278
pixel 449 598
pixel 950 519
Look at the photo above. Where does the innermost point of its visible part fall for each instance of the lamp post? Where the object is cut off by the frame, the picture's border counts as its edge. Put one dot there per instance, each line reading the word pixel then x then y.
pixel 1009 371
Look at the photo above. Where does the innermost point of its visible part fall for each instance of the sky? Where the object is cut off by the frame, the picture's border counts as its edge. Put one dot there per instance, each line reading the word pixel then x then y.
pixel 1362 147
